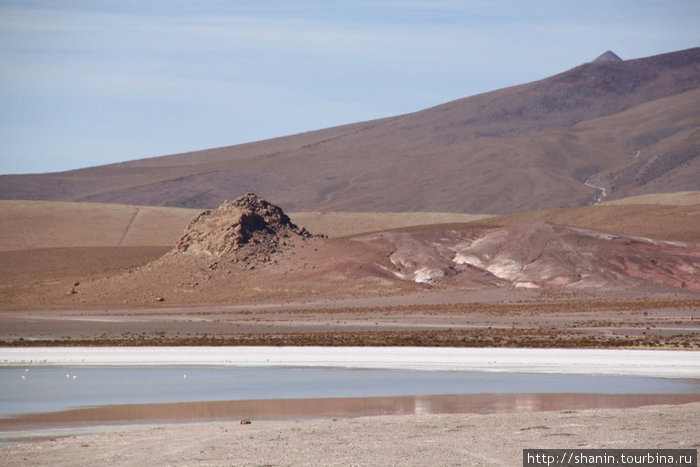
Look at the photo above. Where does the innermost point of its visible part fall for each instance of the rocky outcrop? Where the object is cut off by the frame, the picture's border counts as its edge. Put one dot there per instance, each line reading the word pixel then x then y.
pixel 248 228
pixel 541 255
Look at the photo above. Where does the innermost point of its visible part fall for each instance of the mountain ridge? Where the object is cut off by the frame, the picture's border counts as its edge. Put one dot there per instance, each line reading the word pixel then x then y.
pixel 519 148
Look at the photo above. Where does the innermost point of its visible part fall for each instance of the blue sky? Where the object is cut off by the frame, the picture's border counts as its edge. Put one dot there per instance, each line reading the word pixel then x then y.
pixel 85 83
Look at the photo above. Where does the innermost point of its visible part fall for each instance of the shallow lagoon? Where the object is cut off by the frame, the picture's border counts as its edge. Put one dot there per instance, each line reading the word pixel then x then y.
pixel 49 389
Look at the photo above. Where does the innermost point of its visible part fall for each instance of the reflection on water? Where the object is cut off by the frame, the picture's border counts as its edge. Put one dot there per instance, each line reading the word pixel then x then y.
pixel 60 388
pixel 282 409
pixel 55 395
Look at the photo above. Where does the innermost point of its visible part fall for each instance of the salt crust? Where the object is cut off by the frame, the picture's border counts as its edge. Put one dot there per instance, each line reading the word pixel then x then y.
pixel 662 363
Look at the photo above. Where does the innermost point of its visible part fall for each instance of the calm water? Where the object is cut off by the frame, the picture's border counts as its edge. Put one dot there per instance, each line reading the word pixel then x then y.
pixel 53 389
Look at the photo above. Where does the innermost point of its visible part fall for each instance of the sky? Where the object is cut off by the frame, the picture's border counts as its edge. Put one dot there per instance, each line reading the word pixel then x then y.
pixel 91 82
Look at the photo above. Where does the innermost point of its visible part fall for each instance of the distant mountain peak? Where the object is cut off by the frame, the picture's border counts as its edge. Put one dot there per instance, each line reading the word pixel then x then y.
pixel 608 56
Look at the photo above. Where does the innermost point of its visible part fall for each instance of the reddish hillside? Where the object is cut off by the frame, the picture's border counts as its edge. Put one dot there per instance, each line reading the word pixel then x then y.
pixel 538 255
pixel 603 130
pixel 248 250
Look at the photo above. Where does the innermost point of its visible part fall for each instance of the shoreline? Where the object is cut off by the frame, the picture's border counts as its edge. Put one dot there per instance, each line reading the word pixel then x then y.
pixel 417 439
pixel 313 408
pixel 659 363
pixel 415 430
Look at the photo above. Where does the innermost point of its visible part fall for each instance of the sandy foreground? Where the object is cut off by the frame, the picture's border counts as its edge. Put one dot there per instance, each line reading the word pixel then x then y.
pixel 430 440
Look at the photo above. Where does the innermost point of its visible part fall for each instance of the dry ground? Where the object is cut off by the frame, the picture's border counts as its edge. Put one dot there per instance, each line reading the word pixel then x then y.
pixel 466 439
pixel 681 198
pixel 28 225
pixel 679 222
pixel 499 319
pixel 330 293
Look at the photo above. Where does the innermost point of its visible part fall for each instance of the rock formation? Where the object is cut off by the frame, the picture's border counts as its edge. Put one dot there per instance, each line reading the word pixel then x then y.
pixel 249 228
pixel 541 255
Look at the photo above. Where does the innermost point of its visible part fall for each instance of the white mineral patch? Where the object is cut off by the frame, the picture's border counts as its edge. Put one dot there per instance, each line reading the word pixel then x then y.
pixel 595 234
pixel 396 274
pixel 428 276
pixel 505 268
pixel 461 258
pixel 402 261
pixel 680 244
pixel 558 280
pixel 670 363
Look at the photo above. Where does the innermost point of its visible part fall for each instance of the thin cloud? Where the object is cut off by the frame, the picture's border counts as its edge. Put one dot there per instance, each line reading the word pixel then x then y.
pixel 276 67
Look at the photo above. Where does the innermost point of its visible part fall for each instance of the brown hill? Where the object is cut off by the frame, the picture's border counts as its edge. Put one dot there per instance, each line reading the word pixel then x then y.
pixel 630 217
pixel 603 130
pixel 27 225
pixel 538 255
pixel 42 240
pixel 249 250
pixel 247 229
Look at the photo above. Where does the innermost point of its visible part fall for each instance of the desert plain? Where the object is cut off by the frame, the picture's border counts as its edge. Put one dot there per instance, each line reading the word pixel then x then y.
pixel 333 291
pixel 66 284
pixel 560 215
